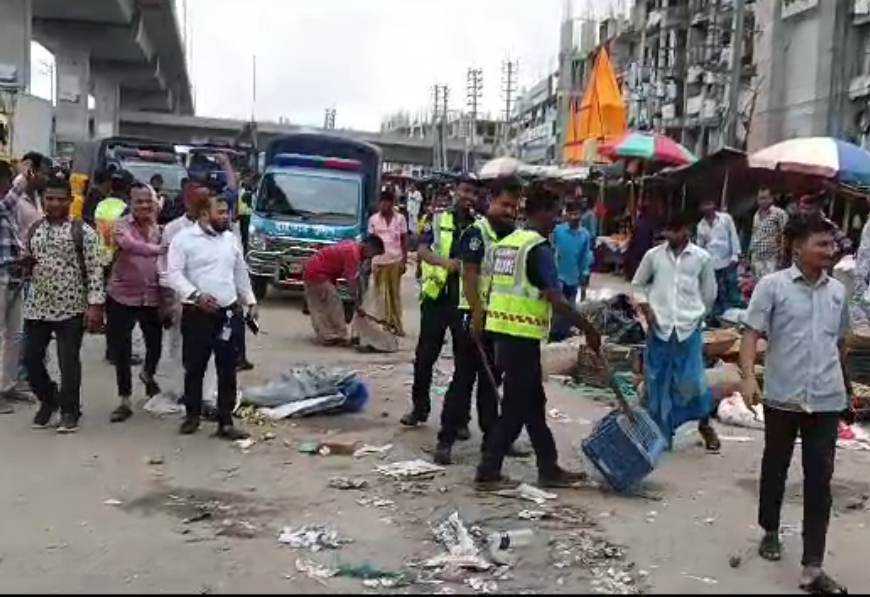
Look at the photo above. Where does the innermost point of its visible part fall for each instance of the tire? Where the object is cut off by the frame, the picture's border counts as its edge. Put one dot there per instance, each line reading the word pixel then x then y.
pixel 260 287
pixel 349 312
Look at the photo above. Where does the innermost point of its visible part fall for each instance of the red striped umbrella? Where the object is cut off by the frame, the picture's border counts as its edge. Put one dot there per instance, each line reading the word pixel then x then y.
pixel 648 146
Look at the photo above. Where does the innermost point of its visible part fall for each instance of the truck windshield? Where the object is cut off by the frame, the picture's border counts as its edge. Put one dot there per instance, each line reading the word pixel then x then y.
pixel 143 171
pixel 310 197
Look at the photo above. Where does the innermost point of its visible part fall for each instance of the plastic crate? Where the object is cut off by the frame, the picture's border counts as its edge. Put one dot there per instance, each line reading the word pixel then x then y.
pixel 624 451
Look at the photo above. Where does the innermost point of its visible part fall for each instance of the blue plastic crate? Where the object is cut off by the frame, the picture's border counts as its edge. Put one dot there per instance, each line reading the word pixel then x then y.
pixel 624 451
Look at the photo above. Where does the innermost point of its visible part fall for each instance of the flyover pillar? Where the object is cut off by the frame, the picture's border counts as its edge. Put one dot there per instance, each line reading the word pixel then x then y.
pixel 107 106
pixel 73 66
pixel 15 31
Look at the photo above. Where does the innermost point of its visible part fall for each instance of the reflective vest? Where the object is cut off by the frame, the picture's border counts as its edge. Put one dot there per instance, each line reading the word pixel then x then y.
pixel 516 307
pixel 489 240
pixel 434 277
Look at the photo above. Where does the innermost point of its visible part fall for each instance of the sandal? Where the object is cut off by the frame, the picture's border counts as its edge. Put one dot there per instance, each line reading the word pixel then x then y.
pixel 711 439
pixel 770 548
pixel 824 585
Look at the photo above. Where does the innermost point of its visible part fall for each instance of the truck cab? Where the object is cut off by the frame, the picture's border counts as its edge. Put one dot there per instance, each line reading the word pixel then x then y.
pixel 316 190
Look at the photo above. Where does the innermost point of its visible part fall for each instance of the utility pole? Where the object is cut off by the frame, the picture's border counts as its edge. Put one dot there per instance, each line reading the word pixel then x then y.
pixel 473 96
pixel 445 97
pixel 737 40
pixel 440 95
pixel 509 70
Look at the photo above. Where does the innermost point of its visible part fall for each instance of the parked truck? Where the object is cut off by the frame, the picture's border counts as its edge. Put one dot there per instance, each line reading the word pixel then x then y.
pixel 316 190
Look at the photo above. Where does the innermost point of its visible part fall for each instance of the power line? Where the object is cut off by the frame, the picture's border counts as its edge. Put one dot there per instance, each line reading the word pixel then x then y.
pixel 473 97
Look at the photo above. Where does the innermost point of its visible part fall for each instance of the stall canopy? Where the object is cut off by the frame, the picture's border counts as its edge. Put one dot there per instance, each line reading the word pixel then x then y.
pixel 599 117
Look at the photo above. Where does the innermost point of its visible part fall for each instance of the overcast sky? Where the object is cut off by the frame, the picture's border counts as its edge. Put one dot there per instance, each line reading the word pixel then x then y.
pixel 367 58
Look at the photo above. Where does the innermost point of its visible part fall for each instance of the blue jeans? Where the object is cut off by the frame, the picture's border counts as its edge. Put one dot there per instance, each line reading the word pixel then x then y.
pixel 561 327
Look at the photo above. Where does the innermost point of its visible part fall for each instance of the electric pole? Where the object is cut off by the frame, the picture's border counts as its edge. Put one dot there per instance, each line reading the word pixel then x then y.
pixel 445 97
pixel 509 72
pixel 737 40
pixel 439 125
pixel 473 97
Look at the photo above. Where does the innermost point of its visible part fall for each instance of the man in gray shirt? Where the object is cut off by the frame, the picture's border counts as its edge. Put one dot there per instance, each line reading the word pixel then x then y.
pixel 803 312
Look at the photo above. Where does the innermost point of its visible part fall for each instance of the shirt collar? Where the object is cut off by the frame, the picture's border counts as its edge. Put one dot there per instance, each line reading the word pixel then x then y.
pixel 795 274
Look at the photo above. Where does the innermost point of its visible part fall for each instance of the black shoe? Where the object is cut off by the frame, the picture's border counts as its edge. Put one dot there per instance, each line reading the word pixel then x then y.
pixel 135 360
pixel 463 434
pixel 412 419
pixel 244 365
pixel 69 423
pixel 493 482
pixel 121 414
pixel 558 478
pixel 443 455
pixel 152 388
pixel 43 416
pixel 231 433
pixel 189 426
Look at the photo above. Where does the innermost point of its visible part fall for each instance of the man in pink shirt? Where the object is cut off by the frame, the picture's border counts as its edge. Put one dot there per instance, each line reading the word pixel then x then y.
pixel 388 268
pixel 134 295
pixel 321 274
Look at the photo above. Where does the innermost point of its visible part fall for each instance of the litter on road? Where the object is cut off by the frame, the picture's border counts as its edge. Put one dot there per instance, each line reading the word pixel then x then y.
pixel 409 469
pixel 309 390
pixel 113 502
pixel 369 450
pixel 529 493
pixel 346 483
pixel 312 537
pixel 315 571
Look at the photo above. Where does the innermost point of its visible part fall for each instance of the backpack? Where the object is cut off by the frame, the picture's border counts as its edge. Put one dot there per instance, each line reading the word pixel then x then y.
pixel 78 237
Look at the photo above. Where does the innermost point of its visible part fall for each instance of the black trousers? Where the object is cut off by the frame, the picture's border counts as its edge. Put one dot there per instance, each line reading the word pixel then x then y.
pixel 523 405
pixel 68 335
pixel 204 334
pixel 468 369
pixel 818 444
pixel 436 317
pixel 121 320
pixel 244 223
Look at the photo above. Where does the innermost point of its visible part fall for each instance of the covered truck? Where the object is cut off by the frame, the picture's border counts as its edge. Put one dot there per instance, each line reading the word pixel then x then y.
pixel 316 190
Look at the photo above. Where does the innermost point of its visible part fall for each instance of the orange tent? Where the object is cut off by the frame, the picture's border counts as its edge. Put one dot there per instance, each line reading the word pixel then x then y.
pixel 600 116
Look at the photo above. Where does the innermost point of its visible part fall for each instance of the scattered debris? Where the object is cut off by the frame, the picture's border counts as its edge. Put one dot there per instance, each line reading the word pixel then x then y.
pixel 710 521
pixel 244 444
pixel 409 469
pixel 558 416
pixel 479 585
pixel 369 450
pixel 309 447
pixel 376 502
pixel 269 436
pixel 375 578
pixel 347 483
pixel 113 502
pixel 309 390
pixel 337 448
pixel 164 404
pixel 735 561
pixel 858 502
pixel 529 493
pixel 605 561
pixel 462 552
pixel 704 579
pixel 736 439
pixel 312 537
pixel 533 514
pixel 315 571
pixel 155 460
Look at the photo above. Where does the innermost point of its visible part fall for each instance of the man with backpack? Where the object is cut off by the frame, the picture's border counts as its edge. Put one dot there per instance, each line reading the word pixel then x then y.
pixel 66 293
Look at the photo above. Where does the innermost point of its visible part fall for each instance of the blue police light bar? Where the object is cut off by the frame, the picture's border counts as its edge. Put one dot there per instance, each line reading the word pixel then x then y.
pixel 297 160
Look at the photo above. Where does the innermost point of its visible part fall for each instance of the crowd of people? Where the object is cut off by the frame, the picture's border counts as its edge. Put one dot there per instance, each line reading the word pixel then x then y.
pixel 110 269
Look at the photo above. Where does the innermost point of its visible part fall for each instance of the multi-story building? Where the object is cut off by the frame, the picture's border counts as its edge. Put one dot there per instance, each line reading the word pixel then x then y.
pixel 534 124
pixel 814 70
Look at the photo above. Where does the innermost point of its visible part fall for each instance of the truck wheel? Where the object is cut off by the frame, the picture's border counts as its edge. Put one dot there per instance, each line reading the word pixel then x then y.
pixel 349 312
pixel 260 287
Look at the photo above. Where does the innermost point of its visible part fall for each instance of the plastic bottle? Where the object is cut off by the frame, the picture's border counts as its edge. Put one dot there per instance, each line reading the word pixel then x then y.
pixel 507 539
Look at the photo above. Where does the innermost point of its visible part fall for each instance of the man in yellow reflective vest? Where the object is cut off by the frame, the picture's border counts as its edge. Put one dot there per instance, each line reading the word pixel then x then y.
pixel 439 295
pixel 476 243
pixel 524 292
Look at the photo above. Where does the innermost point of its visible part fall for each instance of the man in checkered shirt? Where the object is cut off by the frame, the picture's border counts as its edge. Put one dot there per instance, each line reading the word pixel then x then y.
pixel 768 226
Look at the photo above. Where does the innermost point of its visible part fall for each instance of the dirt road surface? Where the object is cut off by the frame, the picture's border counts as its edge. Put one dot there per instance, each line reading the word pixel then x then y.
pixel 137 508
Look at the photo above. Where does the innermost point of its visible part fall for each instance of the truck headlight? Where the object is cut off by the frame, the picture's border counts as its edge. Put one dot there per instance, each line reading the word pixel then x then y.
pixel 256 240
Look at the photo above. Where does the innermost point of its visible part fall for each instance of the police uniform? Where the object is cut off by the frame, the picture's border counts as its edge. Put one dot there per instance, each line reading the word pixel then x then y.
pixel 476 246
pixel 439 297
pixel 518 318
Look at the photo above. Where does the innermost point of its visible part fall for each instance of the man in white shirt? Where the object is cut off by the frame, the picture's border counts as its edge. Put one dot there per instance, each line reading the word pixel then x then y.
pixel 675 287
pixel 717 234
pixel 415 203
pixel 207 270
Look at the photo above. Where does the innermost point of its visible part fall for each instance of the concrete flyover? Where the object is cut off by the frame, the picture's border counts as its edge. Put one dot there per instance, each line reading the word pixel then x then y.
pixel 128 54
pixel 185 130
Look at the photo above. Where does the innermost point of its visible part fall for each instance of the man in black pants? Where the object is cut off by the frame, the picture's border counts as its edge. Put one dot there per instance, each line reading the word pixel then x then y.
pixel 66 290
pixel 803 312
pixel 206 268
pixel 475 245
pixel 439 296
